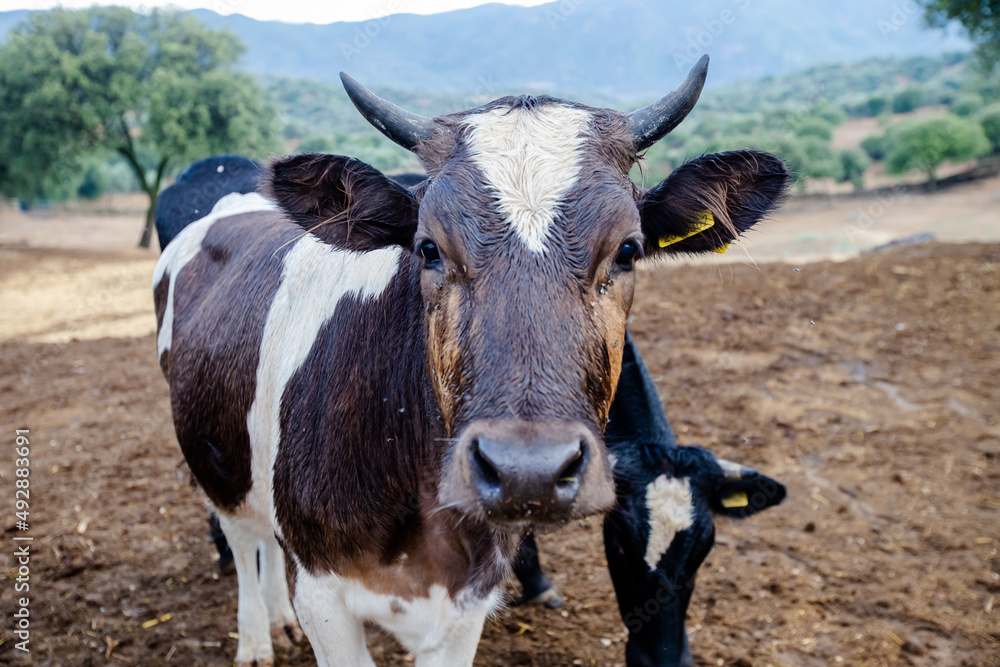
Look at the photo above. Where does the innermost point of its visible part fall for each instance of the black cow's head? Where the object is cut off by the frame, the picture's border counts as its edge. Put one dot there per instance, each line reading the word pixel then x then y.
pixel 526 235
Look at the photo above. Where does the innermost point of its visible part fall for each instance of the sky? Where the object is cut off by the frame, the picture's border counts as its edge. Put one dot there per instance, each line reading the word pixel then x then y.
pixel 292 11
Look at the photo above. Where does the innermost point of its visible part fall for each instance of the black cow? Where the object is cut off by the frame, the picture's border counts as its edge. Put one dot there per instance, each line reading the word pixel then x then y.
pixel 383 388
pixel 661 529
pixel 199 188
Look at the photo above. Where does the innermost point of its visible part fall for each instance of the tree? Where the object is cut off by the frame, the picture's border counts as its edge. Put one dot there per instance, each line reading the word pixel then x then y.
pixel 924 144
pixel 315 144
pixel 832 114
pixel 990 121
pixel 966 104
pixel 854 163
pixel 812 126
pixel 158 89
pixel 980 18
pixel 875 145
pixel 820 160
pixel 908 99
pixel 876 104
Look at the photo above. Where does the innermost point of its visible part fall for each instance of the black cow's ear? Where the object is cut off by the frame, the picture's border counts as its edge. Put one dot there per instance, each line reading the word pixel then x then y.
pixel 343 201
pixel 741 498
pixel 707 202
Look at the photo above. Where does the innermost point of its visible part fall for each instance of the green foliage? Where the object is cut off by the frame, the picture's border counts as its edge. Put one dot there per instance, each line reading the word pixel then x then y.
pixel 94 183
pixel 989 119
pixel 220 111
pixel 923 144
pixel 780 118
pixel 847 86
pixel 966 104
pixel 815 127
pixel 908 99
pixel 315 144
pixel 829 112
pixel 875 146
pixel 746 124
pixel 980 18
pixel 821 161
pixel 710 127
pixel 159 89
pixel 853 163
pixel 875 105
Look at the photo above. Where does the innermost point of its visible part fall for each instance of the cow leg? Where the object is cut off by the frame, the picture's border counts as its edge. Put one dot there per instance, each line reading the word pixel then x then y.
pixel 458 649
pixel 274 584
pixel 218 538
pixel 536 588
pixel 337 636
pixel 254 646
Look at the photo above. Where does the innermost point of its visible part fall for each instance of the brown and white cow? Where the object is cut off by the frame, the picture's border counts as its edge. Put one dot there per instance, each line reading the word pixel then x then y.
pixel 381 388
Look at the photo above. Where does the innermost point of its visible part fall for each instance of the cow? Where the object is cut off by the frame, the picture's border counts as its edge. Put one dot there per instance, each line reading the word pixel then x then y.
pixel 197 190
pixel 381 389
pixel 661 528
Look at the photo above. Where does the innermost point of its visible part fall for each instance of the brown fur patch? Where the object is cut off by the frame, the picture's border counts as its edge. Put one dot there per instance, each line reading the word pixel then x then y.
pixel 221 301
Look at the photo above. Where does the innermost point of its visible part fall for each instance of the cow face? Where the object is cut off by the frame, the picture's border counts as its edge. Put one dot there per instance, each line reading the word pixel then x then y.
pixel 525 237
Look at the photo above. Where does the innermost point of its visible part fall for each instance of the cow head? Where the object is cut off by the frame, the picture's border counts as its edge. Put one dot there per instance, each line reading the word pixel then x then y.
pixel 526 235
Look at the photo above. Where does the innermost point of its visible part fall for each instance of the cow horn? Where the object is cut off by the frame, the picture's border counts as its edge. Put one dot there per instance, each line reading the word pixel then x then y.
pixel 405 128
pixel 734 471
pixel 650 124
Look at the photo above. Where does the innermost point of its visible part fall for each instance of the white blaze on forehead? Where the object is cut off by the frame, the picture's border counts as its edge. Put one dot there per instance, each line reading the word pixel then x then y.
pixel 531 158
pixel 668 500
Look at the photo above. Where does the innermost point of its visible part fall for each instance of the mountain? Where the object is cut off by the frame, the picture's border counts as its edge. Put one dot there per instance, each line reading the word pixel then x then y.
pixel 627 49
pixel 10 19
pixel 622 48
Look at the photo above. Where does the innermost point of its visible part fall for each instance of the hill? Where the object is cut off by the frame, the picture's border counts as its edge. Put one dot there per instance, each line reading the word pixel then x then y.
pixel 626 49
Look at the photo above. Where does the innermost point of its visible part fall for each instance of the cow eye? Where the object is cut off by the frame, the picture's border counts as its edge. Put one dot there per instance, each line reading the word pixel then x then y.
pixel 429 251
pixel 627 254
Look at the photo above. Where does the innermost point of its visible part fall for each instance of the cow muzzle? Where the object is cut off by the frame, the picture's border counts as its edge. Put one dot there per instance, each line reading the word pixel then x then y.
pixel 517 472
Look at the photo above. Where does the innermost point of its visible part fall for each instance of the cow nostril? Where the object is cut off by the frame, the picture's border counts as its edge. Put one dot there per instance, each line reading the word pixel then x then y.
pixel 570 473
pixel 487 471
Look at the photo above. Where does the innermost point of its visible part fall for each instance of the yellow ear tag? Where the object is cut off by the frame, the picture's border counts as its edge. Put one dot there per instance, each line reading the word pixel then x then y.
pixel 721 249
pixel 705 221
pixel 736 500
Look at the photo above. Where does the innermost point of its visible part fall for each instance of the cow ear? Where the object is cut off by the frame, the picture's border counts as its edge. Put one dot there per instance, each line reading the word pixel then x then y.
pixel 744 497
pixel 707 202
pixel 342 201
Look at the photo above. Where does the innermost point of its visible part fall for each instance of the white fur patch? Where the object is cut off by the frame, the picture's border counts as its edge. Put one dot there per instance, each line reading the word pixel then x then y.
pixel 436 628
pixel 187 244
pixel 315 278
pixel 670 511
pixel 531 158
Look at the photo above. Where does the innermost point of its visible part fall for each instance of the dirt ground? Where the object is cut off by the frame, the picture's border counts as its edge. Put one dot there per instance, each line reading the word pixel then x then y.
pixel 869 386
